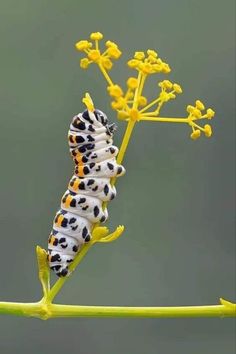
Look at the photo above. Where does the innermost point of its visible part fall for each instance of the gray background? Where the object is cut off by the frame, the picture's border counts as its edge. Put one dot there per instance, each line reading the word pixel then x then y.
pixel 176 200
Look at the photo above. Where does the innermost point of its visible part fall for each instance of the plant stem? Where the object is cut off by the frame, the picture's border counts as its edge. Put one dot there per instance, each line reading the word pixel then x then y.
pixel 105 74
pixel 166 120
pixel 125 141
pixel 46 311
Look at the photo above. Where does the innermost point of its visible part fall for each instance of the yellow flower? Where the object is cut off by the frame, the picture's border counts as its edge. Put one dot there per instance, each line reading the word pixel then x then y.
pixel 130 95
pixel 146 68
pixel 106 62
pixel 210 113
pixel 96 36
pixel 132 83
pixel 152 59
pixel 118 104
pixel 142 101
pixel 167 84
pixel 166 68
pixel 115 91
pixel 122 102
pixel 115 105
pixel 94 55
pixel 139 55
pixel 82 45
pixel 190 109
pixel 152 53
pixel 122 115
pixel 114 52
pixel 84 63
pixel 133 63
pixel 196 113
pixel 164 96
pixel 177 88
pixel 172 95
pixel 157 68
pixel 207 130
pixel 200 105
pixel 196 134
pixel 111 44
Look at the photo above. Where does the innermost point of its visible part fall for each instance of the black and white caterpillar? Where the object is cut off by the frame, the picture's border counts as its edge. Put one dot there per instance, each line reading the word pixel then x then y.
pixel 91 146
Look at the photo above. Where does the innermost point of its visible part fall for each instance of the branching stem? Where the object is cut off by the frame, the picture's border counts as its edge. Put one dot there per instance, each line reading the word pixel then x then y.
pixel 105 74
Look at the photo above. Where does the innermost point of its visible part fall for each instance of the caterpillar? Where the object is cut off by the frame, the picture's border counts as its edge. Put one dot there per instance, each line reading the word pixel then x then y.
pixel 90 140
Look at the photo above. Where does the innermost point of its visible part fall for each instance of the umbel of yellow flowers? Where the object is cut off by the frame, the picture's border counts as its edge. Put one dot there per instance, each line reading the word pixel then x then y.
pixel 131 104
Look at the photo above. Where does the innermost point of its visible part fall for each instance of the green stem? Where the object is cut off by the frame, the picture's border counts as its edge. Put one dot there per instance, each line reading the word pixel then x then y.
pixel 46 311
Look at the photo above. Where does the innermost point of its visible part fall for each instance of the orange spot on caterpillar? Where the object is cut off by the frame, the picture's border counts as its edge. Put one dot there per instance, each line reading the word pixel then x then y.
pixel 78 158
pixel 59 220
pixel 81 171
pixel 51 240
pixel 68 201
pixel 76 184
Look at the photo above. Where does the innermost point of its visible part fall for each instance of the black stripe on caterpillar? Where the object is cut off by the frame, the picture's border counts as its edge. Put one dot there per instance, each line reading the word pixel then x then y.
pixel 90 139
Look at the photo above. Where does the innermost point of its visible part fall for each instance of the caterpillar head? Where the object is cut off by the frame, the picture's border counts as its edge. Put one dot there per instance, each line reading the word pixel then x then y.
pixel 102 118
pixel 97 118
pixel 95 115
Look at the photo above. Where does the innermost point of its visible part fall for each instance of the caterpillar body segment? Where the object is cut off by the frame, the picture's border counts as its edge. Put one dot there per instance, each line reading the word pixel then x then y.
pixel 72 225
pixel 95 156
pixel 90 147
pixel 108 168
pixel 100 188
pixel 85 206
pixel 90 140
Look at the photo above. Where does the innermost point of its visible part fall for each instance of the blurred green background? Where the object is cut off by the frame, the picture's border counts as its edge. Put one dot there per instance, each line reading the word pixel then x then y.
pixel 177 199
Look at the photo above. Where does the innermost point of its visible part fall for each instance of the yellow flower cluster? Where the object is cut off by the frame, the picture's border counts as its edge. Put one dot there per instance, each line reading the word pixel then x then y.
pixel 115 91
pixel 132 105
pixel 148 63
pixel 168 90
pixel 94 54
pixel 122 102
pixel 196 113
